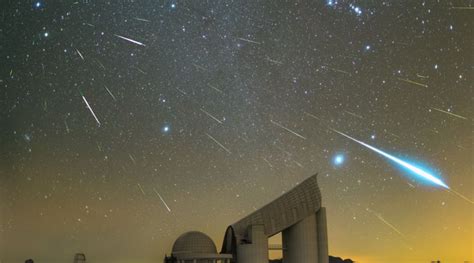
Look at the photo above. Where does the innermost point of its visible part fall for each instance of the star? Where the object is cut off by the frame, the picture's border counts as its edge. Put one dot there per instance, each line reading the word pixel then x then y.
pixel 338 160
pixel 166 128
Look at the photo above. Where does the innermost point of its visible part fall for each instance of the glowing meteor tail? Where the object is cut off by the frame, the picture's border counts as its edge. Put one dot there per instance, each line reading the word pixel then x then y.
pixel 418 171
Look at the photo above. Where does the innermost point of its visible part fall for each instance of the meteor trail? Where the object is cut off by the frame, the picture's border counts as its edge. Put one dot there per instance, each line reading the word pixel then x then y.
pixel 162 200
pixel 142 19
pixel 353 114
pixel 379 216
pixel 212 117
pixel 110 93
pixel 418 171
pixel 311 115
pixel 414 82
pixel 130 40
pixel 79 53
pixel 288 130
pixel 450 113
pixel 141 189
pixel 90 109
pixel 214 88
pixel 250 41
pixel 218 143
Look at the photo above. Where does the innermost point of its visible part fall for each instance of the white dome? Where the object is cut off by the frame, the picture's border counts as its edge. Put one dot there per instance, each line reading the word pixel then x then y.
pixel 194 242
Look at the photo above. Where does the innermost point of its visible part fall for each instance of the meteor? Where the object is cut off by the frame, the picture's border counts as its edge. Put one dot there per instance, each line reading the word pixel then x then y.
pixel 162 200
pixel 90 109
pixel 416 170
pixel 130 40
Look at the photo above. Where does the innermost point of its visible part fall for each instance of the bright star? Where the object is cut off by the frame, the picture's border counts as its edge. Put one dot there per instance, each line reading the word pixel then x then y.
pixel 173 5
pixel 46 34
pixel 368 47
pixel 166 128
pixel 372 137
pixel 38 4
pixel 338 159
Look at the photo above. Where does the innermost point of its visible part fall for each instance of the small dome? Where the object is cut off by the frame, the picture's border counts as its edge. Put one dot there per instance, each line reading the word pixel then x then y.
pixel 194 242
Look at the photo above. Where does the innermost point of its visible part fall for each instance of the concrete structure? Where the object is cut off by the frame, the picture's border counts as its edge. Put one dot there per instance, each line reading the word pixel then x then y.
pixel 196 247
pixel 297 214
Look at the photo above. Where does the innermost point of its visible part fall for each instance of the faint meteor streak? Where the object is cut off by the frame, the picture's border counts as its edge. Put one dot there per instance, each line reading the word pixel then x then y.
pixel 214 88
pixel 413 82
pixel 379 216
pixel 268 162
pixel 162 200
pixel 141 189
pixel 90 109
pixel 79 53
pixel 210 116
pixel 130 40
pixel 450 113
pixel 218 143
pixel 311 115
pixel 250 41
pixel 110 93
pixel 353 114
pixel 418 171
pixel 288 130
pixel 274 61
pixel 463 7
pixel 337 70
pixel 142 19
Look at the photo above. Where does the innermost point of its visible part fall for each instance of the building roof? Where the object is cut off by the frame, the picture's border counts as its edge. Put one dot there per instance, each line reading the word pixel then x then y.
pixel 193 242
pixel 291 207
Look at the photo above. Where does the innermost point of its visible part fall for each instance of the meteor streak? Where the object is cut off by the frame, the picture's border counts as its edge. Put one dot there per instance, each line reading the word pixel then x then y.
pixel 450 113
pixel 413 82
pixel 380 217
pixel 218 143
pixel 288 130
pixel 79 53
pixel 416 170
pixel 250 41
pixel 110 93
pixel 162 200
pixel 141 189
pixel 130 40
pixel 210 116
pixel 90 109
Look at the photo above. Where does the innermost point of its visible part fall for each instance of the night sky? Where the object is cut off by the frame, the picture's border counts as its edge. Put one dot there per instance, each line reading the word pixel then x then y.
pixel 126 123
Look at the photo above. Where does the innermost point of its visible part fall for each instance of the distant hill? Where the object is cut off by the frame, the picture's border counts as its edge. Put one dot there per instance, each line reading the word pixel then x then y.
pixel 331 260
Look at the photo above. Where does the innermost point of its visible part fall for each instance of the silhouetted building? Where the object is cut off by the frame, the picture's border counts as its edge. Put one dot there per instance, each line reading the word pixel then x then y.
pixel 298 215
pixel 79 258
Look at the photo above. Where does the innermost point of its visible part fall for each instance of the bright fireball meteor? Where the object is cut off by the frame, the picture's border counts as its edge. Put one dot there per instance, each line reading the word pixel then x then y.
pixel 418 171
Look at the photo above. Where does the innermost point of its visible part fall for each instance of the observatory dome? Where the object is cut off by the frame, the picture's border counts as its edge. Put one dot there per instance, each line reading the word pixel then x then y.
pixel 194 242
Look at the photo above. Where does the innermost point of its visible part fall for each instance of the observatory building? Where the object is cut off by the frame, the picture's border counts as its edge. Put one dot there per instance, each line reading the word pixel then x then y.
pixel 297 214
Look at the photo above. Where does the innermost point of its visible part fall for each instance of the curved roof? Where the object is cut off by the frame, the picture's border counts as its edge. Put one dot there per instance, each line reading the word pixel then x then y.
pixel 194 242
pixel 293 206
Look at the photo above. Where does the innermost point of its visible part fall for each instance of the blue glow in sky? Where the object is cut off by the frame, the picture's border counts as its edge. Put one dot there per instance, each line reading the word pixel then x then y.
pixel 338 159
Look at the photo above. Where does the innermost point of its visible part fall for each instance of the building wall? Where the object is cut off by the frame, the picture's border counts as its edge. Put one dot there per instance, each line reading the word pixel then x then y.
pixel 301 242
pixel 255 250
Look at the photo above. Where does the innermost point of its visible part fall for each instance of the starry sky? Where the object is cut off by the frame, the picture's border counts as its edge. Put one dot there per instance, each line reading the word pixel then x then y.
pixel 126 123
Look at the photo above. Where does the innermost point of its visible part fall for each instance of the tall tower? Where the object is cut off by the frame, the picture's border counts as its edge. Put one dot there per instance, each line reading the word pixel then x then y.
pixel 297 214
